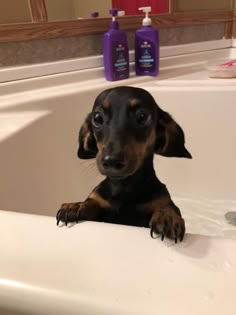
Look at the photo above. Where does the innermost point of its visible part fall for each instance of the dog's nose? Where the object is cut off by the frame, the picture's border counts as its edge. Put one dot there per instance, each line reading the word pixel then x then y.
pixel 115 162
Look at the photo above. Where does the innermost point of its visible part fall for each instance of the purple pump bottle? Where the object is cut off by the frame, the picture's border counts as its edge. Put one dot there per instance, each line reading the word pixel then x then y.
pixel 147 47
pixel 115 51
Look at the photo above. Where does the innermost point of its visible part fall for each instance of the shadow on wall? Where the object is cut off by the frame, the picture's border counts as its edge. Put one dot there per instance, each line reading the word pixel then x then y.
pixel 39 165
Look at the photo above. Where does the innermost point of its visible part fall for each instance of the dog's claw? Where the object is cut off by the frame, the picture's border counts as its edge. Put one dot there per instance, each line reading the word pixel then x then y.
pixel 164 231
pixel 163 236
pixel 176 233
pixel 58 217
pixel 66 218
pixel 151 233
pixel 77 216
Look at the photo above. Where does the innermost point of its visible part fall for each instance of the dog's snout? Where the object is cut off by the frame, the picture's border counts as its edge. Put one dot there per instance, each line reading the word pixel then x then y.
pixel 115 162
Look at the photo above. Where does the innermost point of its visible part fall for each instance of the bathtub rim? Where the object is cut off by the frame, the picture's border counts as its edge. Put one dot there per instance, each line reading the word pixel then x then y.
pixel 35 297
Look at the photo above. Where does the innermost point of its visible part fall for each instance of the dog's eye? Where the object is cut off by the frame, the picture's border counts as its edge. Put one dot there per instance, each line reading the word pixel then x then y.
pixel 142 118
pixel 97 119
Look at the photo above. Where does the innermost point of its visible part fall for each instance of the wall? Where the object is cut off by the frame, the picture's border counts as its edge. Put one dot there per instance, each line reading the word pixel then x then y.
pixel 12 11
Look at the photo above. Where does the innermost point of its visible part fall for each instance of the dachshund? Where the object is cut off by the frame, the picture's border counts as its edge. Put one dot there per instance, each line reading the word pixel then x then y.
pixel 123 132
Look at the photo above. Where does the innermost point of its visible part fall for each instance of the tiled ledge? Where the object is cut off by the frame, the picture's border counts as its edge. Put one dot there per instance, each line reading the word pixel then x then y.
pixel 50 50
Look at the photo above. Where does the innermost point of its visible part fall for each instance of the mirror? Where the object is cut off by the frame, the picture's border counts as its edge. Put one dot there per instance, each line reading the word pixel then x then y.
pixel 193 5
pixel 14 11
pixel 77 9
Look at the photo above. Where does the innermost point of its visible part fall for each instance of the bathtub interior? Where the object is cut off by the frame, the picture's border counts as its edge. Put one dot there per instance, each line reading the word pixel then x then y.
pixel 40 169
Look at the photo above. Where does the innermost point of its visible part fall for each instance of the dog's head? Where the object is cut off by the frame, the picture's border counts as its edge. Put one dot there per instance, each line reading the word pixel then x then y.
pixel 125 128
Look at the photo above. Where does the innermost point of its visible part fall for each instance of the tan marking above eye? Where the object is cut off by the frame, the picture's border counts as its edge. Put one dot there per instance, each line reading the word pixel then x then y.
pixel 105 104
pixel 99 200
pixel 134 102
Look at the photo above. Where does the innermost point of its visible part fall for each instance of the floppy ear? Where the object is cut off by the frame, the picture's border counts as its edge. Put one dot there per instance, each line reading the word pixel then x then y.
pixel 87 142
pixel 170 137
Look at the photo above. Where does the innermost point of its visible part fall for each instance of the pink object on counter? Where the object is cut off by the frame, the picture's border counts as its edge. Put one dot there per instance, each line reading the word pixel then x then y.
pixel 229 63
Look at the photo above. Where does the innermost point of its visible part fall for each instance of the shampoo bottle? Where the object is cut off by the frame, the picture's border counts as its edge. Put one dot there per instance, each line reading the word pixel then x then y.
pixel 147 47
pixel 115 51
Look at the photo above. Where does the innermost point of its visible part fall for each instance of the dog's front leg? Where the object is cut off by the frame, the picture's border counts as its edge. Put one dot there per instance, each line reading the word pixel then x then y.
pixel 92 209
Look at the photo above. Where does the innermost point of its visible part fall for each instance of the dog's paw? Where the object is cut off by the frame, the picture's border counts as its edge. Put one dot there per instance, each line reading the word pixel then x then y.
pixel 167 224
pixel 69 212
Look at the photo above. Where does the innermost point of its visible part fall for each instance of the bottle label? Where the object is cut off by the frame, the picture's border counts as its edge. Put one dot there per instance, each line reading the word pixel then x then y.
pixel 120 60
pixel 146 56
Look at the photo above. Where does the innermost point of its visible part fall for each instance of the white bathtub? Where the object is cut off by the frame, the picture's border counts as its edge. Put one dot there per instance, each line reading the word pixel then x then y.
pixel 96 268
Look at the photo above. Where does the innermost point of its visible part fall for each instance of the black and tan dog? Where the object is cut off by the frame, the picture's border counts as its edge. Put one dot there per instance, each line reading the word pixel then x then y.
pixel 123 131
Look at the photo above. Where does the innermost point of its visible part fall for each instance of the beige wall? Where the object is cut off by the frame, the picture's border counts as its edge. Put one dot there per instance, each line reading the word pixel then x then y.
pixel 13 11
pixel 204 4
pixel 85 7
pixel 60 9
